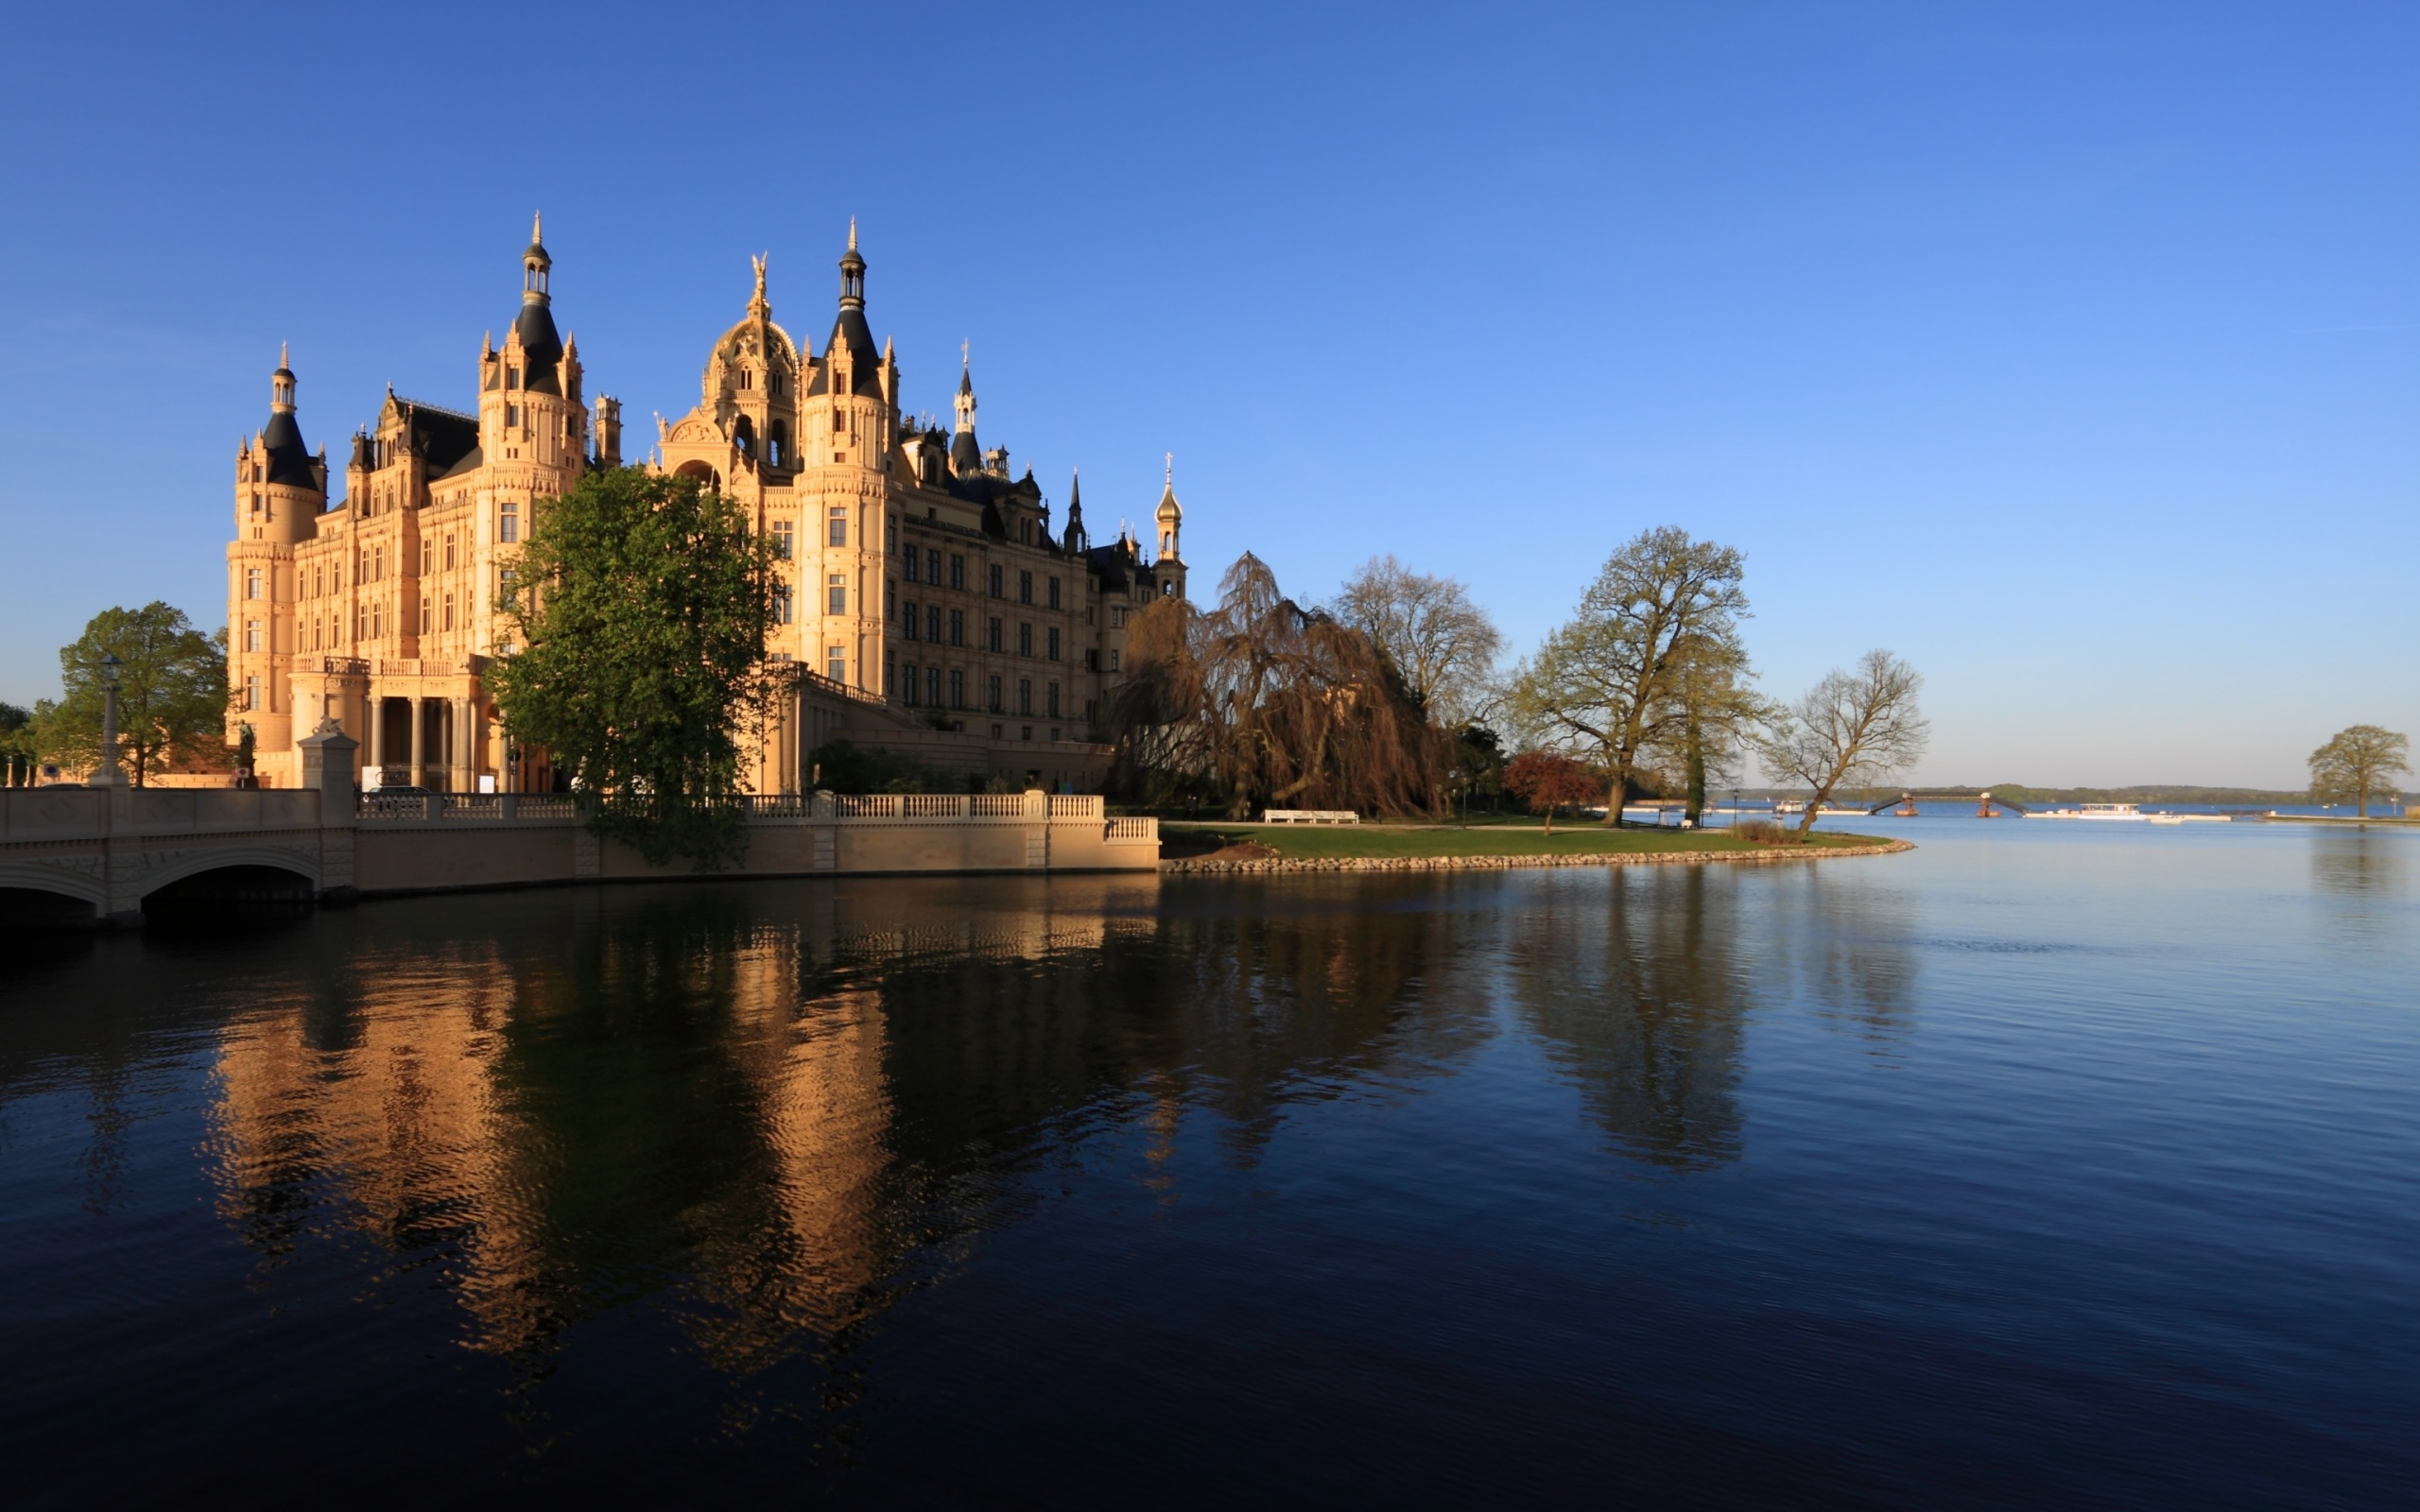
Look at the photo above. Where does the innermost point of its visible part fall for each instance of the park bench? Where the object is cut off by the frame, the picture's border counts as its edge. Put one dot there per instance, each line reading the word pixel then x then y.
pixel 1310 816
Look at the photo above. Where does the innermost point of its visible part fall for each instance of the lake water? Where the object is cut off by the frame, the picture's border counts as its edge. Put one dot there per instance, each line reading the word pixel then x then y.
pixel 2048 1165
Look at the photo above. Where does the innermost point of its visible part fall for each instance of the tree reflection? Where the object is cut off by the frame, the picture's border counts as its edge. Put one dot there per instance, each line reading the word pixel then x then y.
pixel 2365 872
pixel 1848 946
pixel 2359 865
pixel 1633 984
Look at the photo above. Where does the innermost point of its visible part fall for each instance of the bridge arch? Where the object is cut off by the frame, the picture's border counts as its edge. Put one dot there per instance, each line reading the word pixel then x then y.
pixel 43 907
pixel 247 886
pixel 245 858
pixel 34 883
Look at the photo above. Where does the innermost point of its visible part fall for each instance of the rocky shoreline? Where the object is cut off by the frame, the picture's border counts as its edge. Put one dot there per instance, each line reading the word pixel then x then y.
pixel 1633 858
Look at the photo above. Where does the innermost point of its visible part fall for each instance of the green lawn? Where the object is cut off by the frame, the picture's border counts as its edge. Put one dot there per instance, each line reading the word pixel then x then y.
pixel 1322 841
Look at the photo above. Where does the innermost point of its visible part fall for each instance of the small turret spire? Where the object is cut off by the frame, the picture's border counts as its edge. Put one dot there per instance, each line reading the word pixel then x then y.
pixel 535 265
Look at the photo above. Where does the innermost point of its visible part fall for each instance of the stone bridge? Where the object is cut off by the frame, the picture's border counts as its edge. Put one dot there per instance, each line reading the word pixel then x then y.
pixel 79 855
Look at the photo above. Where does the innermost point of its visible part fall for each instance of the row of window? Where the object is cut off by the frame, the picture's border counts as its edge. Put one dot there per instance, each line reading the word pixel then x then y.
pixel 924 564
pixel 945 687
pixel 926 623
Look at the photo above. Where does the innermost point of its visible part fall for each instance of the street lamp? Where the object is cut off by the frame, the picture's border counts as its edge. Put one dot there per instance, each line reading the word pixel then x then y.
pixel 109 775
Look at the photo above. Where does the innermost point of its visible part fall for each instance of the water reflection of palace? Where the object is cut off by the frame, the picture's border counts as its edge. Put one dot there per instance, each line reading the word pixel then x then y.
pixel 690 1075
pixel 772 1107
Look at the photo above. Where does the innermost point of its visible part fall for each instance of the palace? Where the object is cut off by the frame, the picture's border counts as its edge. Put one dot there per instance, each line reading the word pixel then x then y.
pixel 926 602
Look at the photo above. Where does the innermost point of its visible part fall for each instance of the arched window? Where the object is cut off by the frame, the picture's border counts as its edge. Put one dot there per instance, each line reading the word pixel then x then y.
pixel 778 444
pixel 744 434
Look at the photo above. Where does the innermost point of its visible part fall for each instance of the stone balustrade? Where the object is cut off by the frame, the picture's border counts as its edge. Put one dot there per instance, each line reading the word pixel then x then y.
pixel 114 849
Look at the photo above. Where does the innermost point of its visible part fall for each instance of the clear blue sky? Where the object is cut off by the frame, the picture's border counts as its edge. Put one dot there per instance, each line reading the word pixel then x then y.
pixel 2072 353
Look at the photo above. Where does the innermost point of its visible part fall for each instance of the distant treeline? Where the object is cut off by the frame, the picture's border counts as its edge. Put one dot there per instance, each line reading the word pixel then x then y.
pixel 2020 793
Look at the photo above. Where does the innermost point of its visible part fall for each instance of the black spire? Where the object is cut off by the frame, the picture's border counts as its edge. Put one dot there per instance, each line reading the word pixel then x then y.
pixel 289 460
pixel 1078 540
pixel 541 348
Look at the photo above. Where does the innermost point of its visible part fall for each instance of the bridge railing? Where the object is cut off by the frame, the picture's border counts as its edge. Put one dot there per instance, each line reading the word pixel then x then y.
pixel 71 813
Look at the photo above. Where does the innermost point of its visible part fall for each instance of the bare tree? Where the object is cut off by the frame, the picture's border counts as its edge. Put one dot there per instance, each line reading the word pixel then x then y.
pixel 1610 684
pixel 1442 642
pixel 2352 767
pixel 1853 728
pixel 1266 702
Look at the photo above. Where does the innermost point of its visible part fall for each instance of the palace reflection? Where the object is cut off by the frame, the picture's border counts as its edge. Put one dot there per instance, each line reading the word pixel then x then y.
pixel 770 1108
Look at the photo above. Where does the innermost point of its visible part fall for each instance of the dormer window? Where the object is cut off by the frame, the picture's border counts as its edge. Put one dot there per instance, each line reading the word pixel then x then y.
pixel 512 377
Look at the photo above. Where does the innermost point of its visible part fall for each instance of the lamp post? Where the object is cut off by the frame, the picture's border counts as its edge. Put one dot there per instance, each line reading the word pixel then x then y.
pixel 111 774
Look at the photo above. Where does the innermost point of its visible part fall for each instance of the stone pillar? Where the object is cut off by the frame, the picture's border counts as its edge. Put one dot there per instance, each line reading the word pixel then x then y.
pixel 375 712
pixel 327 755
pixel 466 758
pixel 420 741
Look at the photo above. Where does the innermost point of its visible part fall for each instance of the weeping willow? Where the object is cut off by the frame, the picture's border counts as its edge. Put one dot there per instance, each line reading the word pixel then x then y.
pixel 1264 703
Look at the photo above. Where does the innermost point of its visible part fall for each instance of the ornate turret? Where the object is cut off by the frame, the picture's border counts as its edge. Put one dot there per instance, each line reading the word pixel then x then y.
pixel 1171 516
pixel 965 457
pixel 852 363
pixel 541 350
pixel 289 461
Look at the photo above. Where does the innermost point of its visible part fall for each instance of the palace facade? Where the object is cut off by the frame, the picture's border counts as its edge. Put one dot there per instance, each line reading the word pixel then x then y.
pixel 926 601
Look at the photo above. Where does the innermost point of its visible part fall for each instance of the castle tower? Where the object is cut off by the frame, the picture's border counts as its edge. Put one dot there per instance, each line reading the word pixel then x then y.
pixel 281 488
pixel 848 423
pixel 608 431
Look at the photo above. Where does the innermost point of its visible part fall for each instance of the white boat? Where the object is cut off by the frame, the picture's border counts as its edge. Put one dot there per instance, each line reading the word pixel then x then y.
pixel 2122 812
pixel 2191 818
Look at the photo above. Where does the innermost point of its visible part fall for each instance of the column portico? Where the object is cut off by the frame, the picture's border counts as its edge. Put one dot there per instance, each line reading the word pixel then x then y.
pixel 420 740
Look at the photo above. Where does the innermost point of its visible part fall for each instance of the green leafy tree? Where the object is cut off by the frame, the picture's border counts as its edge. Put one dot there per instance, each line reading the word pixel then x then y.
pixel 1614 685
pixel 1717 714
pixel 640 619
pixel 172 697
pixel 17 756
pixel 2354 767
